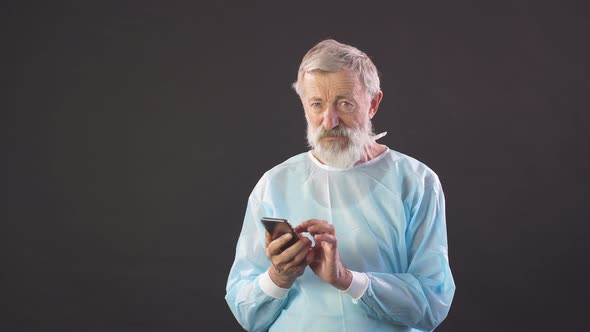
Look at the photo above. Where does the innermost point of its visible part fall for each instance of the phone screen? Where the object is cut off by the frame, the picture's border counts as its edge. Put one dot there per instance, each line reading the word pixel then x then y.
pixel 277 227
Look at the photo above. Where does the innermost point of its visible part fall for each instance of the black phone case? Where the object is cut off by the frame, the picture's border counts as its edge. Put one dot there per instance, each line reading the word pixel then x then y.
pixel 277 227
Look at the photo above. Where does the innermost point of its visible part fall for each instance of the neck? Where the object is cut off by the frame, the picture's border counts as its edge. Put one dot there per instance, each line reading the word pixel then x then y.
pixel 371 151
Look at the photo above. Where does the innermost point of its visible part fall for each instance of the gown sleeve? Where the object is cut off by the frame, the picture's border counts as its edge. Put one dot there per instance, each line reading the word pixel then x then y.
pixel 253 308
pixel 421 297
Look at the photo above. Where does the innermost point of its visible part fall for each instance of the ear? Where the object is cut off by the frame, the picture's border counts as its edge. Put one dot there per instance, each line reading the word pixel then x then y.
pixel 375 101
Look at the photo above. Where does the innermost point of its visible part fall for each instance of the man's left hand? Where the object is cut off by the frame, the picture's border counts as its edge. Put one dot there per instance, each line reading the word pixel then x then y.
pixel 324 257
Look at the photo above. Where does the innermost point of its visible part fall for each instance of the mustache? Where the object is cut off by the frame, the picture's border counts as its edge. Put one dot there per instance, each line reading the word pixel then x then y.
pixel 338 131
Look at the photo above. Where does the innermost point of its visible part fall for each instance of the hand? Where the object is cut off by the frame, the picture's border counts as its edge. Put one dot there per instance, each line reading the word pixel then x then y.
pixel 289 264
pixel 323 257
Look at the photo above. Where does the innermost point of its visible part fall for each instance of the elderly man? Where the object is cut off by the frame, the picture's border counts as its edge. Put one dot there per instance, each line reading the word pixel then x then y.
pixel 372 253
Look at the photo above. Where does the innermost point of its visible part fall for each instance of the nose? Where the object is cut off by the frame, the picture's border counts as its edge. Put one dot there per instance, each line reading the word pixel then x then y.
pixel 330 119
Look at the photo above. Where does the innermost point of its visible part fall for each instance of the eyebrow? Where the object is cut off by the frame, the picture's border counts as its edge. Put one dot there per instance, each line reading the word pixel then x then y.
pixel 337 98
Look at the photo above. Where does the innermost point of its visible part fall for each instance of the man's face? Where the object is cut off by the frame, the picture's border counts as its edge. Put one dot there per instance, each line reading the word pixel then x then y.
pixel 338 111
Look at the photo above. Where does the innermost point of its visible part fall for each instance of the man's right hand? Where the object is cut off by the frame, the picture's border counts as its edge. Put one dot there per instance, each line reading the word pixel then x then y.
pixel 289 264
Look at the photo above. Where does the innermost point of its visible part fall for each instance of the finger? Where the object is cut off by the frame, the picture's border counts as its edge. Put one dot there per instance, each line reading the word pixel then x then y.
pixel 300 257
pixel 277 267
pixel 295 270
pixel 274 247
pixel 329 238
pixel 291 252
pixel 280 262
pixel 302 252
pixel 300 268
pixel 304 241
pixel 305 224
pixel 297 265
pixel 267 239
pixel 323 227
pixel 292 255
pixel 310 256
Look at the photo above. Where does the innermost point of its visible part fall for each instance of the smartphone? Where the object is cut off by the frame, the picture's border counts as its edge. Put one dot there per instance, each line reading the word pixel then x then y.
pixel 277 227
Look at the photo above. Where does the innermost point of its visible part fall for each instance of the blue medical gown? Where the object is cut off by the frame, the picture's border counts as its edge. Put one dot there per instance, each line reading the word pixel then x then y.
pixel 389 216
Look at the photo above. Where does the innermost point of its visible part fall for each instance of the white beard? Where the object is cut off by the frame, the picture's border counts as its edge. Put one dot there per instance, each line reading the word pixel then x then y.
pixel 340 154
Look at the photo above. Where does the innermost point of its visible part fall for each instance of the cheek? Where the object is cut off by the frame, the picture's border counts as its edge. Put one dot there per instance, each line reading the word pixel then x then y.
pixel 313 119
pixel 362 119
pixel 352 121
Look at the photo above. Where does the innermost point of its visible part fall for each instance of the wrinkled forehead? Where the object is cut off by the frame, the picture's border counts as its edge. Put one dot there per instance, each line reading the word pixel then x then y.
pixel 321 83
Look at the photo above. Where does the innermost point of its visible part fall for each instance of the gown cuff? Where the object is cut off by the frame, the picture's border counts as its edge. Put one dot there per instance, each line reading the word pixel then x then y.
pixel 358 286
pixel 270 288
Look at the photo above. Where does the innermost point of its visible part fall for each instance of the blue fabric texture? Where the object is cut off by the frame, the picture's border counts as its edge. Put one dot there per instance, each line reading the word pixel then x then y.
pixel 389 216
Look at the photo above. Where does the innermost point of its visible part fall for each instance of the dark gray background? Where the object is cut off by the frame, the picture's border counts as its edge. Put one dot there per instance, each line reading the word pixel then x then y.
pixel 141 127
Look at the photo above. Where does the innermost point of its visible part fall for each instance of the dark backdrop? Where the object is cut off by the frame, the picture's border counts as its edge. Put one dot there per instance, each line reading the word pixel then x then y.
pixel 141 127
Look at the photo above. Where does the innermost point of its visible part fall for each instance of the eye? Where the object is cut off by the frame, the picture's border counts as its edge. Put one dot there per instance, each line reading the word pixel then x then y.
pixel 345 106
pixel 316 106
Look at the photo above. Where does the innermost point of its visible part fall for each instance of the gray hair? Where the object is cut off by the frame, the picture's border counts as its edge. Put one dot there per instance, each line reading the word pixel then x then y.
pixel 332 56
